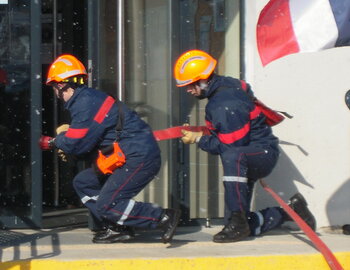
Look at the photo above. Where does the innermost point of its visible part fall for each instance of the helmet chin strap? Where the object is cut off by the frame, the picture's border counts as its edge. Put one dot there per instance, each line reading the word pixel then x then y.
pixel 202 95
pixel 62 90
pixel 204 89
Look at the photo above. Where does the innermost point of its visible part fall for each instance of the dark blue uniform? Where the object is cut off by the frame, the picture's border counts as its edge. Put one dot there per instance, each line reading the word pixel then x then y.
pixel 246 145
pixel 94 117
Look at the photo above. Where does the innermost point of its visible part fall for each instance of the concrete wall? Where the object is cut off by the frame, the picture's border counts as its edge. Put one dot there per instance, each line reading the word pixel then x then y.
pixel 315 144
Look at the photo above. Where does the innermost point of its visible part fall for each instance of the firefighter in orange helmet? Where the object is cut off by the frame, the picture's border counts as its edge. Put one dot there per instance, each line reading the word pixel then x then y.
pixel 126 156
pixel 243 139
pixel 64 70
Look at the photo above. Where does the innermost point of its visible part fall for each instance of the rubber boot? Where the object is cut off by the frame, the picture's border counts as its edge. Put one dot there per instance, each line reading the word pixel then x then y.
pixel 168 223
pixel 236 230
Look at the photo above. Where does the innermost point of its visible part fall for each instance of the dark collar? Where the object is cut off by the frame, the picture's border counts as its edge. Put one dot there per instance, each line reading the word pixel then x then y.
pixel 76 93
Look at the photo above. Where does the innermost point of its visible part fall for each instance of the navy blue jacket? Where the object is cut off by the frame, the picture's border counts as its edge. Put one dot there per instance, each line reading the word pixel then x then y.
pixel 233 118
pixel 94 117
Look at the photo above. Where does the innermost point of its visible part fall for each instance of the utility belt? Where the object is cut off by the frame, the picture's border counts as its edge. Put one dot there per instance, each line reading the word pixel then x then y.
pixel 110 158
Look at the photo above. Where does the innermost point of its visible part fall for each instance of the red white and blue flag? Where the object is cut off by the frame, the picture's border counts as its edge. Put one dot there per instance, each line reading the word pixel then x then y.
pixel 294 26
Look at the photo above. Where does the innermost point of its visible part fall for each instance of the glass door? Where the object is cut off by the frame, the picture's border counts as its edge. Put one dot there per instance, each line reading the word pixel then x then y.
pixel 63 32
pixel 36 188
pixel 20 116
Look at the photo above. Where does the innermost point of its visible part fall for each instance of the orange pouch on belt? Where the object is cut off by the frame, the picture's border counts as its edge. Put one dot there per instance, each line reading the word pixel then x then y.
pixel 107 164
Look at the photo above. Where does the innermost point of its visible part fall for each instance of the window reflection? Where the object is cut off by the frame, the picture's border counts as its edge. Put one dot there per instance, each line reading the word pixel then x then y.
pixel 14 107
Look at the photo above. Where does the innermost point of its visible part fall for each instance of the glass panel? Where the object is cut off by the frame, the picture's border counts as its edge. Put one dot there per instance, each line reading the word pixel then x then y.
pixel 15 164
pixel 211 26
pixel 148 73
pixel 107 69
pixel 156 32
pixel 63 25
pixel 147 70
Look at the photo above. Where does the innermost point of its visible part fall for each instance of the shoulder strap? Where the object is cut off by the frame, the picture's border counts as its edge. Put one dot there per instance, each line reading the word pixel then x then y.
pixel 120 123
pixel 244 85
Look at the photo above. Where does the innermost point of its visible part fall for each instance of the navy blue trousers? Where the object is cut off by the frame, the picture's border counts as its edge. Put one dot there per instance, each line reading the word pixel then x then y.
pixel 112 199
pixel 243 166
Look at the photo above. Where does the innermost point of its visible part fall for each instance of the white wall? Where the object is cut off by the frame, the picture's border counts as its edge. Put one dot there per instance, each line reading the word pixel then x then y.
pixel 315 144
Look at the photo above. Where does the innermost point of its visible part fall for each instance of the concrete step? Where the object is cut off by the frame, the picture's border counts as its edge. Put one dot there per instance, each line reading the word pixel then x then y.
pixel 191 248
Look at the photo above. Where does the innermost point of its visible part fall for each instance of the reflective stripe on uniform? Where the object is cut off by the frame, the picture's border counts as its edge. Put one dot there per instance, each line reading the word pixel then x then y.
pixel 127 212
pixel 261 222
pixel 85 199
pixel 235 179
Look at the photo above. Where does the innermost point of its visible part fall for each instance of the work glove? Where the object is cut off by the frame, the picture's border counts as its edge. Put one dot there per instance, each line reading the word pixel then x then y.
pixel 62 155
pixel 62 128
pixel 190 136
pixel 46 142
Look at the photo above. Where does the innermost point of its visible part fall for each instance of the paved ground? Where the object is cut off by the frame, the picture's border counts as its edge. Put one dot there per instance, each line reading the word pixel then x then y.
pixel 192 248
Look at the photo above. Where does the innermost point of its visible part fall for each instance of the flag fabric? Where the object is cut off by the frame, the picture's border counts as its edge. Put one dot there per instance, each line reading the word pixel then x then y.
pixel 293 26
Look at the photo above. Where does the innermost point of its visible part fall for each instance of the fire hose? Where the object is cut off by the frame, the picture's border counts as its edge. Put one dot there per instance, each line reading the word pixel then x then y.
pixel 175 132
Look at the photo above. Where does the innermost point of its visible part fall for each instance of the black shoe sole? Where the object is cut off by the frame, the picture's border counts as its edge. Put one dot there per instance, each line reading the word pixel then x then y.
pixel 242 237
pixel 121 238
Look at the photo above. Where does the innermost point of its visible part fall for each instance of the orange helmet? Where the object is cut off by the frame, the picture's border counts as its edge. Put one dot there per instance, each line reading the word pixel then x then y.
pixel 192 66
pixel 65 66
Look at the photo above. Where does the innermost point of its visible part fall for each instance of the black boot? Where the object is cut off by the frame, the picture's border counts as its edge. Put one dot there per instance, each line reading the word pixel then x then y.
pixel 236 230
pixel 113 234
pixel 346 229
pixel 168 223
pixel 298 203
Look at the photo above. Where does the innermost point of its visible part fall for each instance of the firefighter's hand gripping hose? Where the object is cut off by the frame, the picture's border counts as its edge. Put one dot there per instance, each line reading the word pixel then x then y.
pixel 62 155
pixel 62 128
pixel 190 137
pixel 176 132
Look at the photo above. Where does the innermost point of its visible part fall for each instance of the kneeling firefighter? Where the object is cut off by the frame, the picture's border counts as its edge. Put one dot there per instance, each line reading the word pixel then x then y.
pixel 242 137
pixel 127 155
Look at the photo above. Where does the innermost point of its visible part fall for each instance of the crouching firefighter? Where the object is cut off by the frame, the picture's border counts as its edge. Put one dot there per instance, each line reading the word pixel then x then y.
pixel 127 156
pixel 242 137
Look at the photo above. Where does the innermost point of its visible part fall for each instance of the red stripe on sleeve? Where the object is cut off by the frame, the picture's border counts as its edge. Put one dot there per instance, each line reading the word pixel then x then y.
pixel 75 133
pixel 102 112
pixel 254 113
pixel 209 125
pixel 234 136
